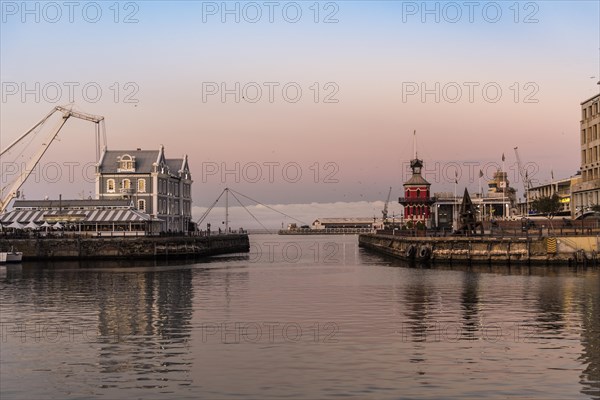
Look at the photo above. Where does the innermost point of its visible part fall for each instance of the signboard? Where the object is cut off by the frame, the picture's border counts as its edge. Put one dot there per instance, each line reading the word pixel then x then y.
pixel 53 218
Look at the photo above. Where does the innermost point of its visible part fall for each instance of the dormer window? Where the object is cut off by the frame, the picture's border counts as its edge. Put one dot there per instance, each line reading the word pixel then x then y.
pixel 126 163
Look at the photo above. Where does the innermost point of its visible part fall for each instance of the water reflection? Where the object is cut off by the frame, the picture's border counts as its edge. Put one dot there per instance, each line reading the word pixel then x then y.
pixel 132 325
pixel 151 313
pixel 418 302
pixel 590 378
pixel 145 329
pixel 470 304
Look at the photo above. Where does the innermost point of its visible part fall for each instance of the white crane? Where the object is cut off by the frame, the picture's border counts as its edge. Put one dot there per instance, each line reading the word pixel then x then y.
pixel 525 179
pixel 11 189
pixel 385 207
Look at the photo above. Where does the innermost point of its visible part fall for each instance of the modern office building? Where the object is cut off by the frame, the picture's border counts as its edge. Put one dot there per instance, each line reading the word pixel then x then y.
pixel 586 194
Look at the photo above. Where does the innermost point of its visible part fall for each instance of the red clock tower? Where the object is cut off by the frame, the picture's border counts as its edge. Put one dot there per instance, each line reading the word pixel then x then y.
pixel 417 199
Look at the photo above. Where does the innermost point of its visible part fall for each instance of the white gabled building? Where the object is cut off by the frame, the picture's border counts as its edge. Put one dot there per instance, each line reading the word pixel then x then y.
pixel 156 185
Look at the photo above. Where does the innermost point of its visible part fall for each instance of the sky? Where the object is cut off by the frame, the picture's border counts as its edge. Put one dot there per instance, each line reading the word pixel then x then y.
pixel 309 106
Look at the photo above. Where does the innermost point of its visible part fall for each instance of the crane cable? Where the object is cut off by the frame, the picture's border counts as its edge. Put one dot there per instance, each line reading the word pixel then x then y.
pixel 269 207
pixel 248 211
pixel 233 193
pixel 208 210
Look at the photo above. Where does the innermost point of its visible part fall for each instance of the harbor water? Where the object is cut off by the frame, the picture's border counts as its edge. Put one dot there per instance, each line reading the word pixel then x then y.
pixel 300 317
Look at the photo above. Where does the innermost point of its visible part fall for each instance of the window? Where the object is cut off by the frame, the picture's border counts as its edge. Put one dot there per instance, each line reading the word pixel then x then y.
pixel 126 184
pixel 142 205
pixel 142 185
pixel 418 193
pixel 110 186
pixel 127 163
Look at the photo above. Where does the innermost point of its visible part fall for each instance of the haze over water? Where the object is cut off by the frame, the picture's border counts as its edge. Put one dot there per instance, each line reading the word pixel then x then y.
pixel 300 317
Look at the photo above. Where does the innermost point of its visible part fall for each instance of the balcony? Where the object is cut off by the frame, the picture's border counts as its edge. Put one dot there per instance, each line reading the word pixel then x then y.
pixel 127 191
pixel 417 200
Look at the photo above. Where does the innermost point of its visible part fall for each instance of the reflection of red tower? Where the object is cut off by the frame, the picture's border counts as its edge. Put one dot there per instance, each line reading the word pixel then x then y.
pixel 417 200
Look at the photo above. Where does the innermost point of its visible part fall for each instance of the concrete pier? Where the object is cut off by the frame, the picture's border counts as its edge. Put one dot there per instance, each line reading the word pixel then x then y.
pixel 544 250
pixel 126 247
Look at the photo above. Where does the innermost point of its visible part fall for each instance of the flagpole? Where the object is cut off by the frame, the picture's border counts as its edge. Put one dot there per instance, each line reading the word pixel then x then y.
pixel 503 188
pixel 526 194
pixel 455 217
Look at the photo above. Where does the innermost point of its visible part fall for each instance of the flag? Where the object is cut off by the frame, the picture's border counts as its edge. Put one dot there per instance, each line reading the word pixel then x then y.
pixel 456 177
pixel 480 173
pixel 503 158
pixel 552 174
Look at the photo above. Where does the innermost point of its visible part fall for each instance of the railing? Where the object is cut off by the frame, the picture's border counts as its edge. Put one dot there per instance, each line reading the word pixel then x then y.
pixel 417 200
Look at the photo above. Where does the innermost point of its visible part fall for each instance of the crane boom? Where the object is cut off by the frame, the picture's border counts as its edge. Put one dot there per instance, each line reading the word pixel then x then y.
pixel 10 191
pixel 525 178
pixel 385 207
pixel 522 172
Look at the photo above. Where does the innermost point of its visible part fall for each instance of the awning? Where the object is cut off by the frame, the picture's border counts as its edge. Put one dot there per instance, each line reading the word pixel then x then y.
pixel 90 216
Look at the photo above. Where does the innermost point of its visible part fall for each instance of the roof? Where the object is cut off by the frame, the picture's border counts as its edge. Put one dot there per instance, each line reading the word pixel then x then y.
pixel 416 179
pixel 89 203
pixel 594 97
pixel 143 160
pixel 91 216
pixel 174 164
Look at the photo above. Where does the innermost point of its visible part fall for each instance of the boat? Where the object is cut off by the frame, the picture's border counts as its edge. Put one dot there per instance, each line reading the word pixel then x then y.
pixel 11 256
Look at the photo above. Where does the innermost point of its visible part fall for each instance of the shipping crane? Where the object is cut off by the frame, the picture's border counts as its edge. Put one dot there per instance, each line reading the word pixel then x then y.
pixel 525 178
pixel 385 207
pixel 11 189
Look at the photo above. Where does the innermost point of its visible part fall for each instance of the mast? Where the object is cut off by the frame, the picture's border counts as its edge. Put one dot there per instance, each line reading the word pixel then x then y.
pixel 415 144
pixel 226 211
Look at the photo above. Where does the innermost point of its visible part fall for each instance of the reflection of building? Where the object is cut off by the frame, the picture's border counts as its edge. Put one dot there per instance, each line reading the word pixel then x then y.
pixel 144 325
pixel 158 186
pixel 590 335
pixel 587 193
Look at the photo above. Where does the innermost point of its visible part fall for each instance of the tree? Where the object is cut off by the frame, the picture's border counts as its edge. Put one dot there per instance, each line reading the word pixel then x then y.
pixel 548 206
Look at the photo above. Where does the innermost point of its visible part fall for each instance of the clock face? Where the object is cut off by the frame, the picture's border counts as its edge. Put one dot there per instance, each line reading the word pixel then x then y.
pixel 417 170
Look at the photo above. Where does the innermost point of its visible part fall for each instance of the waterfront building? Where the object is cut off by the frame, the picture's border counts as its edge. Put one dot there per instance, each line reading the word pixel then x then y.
pixel 501 198
pixel 560 187
pixel 586 194
pixel 499 202
pixel 362 224
pixel 156 185
pixel 417 200
pixel 90 217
